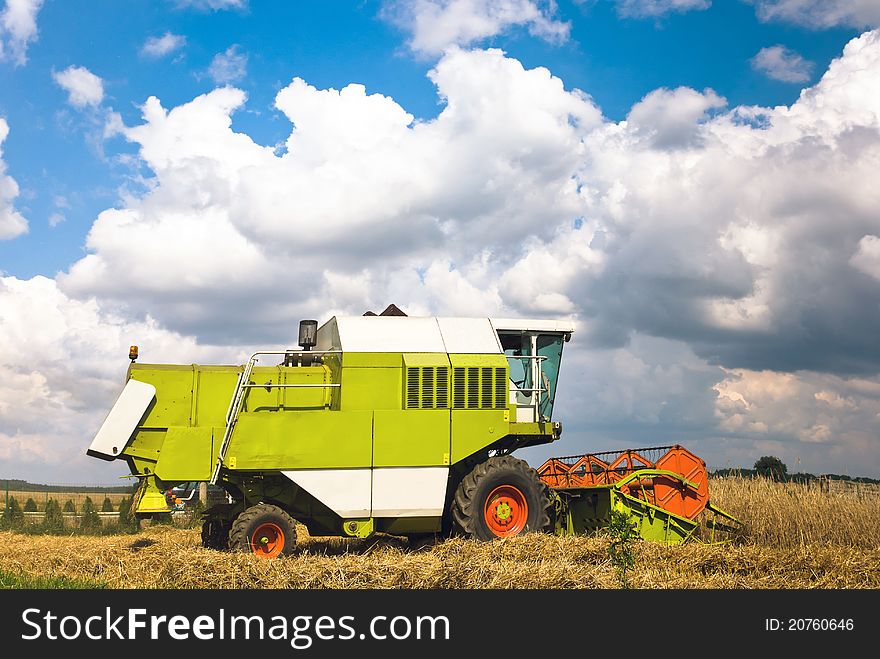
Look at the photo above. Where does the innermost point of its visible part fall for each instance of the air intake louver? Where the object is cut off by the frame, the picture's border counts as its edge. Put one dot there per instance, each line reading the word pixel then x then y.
pixel 427 388
pixel 412 388
pixel 479 388
pixel 501 388
pixel 458 388
pixel 473 388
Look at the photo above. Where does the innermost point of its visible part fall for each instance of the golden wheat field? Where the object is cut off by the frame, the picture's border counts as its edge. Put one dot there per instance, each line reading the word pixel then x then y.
pixel 794 537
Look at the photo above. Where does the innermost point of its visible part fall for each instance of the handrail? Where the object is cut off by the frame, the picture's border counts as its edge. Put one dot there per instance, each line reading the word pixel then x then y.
pixel 237 401
pixel 536 402
pixel 273 385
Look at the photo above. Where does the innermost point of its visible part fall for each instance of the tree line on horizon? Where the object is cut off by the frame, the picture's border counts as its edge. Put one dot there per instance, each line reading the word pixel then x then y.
pixel 769 466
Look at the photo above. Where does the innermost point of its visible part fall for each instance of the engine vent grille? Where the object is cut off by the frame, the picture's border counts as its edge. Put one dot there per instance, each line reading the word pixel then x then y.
pixel 426 388
pixel 476 388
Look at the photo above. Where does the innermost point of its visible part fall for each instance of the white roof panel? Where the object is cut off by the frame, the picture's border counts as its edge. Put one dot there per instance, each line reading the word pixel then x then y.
pixel 425 334
pixel 526 324
pixel 469 336
pixel 389 334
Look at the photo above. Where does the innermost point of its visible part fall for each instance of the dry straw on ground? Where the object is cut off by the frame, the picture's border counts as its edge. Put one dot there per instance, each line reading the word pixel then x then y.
pixel 795 538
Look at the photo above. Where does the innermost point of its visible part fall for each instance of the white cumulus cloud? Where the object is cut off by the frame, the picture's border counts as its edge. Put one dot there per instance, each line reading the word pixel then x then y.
pixel 867 258
pixel 228 66
pixel 156 47
pixel 360 180
pixel 213 5
pixel 18 29
pixel 821 13
pixel 672 118
pixel 686 220
pixel 436 25
pixel 12 223
pixel 84 88
pixel 826 423
pixel 781 63
pixel 62 363
pixel 655 8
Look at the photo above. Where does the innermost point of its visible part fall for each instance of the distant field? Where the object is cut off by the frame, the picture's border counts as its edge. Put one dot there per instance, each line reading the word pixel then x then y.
pixel 795 537
pixel 40 498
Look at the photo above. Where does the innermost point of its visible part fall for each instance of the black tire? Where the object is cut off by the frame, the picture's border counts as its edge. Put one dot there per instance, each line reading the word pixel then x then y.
pixel 505 475
pixel 278 536
pixel 215 534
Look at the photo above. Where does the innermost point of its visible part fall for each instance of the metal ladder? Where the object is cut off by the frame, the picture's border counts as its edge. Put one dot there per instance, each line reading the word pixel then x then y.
pixel 232 415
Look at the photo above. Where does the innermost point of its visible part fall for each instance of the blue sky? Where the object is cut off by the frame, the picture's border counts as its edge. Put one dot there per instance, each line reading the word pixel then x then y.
pixel 690 182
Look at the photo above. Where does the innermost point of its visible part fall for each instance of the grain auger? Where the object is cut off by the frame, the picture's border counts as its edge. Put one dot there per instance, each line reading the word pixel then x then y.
pixel 663 489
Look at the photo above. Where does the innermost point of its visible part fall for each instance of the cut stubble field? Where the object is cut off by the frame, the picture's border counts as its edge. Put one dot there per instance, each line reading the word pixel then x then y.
pixel 794 537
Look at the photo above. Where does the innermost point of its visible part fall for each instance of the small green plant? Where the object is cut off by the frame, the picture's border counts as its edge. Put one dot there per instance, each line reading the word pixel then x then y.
pixel 194 515
pixel 89 521
pixel 623 533
pixel 69 507
pixel 30 506
pixel 107 506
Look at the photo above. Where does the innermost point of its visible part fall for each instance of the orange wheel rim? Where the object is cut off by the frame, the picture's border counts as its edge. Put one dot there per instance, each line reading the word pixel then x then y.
pixel 506 511
pixel 267 541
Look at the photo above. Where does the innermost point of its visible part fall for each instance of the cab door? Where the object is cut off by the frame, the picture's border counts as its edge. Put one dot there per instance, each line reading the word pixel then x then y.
pixel 533 359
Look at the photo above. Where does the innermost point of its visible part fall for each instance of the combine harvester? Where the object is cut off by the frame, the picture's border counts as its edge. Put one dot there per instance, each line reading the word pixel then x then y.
pixel 386 423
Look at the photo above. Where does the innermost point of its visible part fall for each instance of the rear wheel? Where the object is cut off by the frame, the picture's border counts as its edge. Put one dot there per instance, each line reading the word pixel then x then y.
pixel 501 498
pixel 264 530
pixel 215 534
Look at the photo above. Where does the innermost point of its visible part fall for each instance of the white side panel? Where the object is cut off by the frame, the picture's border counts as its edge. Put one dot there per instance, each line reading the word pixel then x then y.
pixel 389 334
pixel 469 336
pixel 409 491
pixel 344 491
pixel 122 420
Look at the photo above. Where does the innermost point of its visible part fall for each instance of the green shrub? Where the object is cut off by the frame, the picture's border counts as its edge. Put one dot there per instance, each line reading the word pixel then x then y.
pixel 30 506
pixel 107 506
pixel 89 520
pixel 13 516
pixel 69 507
pixel 53 522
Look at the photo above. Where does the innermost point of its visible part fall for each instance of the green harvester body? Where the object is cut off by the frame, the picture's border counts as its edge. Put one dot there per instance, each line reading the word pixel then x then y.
pixel 395 428
pixel 371 427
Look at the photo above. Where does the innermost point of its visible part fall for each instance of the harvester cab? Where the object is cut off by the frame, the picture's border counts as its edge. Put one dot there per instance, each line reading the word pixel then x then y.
pixel 534 352
pixel 395 424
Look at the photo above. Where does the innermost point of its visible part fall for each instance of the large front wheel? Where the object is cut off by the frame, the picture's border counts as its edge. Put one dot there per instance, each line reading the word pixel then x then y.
pixel 501 498
pixel 263 530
